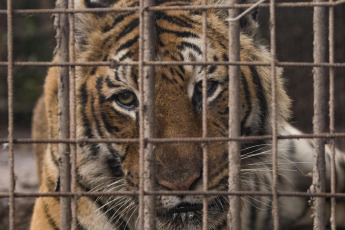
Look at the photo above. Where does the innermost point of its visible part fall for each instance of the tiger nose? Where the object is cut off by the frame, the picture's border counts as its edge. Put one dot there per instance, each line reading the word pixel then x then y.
pixel 183 185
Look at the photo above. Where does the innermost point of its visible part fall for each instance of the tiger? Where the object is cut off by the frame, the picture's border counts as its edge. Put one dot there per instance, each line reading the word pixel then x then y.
pixel 107 107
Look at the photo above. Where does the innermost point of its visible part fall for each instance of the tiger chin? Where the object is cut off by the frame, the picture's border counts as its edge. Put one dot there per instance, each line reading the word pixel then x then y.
pixel 107 107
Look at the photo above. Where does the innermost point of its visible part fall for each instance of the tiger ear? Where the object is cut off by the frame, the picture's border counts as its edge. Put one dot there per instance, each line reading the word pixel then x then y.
pixel 249 22
pixel 85 23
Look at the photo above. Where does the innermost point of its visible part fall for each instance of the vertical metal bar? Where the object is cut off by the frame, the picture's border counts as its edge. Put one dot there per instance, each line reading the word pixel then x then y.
pixel 319 120
pixel 73 123
pixel 275 203
pixel 147 212
pixel 204 118
pixel 10 113
pixel 63 105
pixel 331 113
pixel 234 217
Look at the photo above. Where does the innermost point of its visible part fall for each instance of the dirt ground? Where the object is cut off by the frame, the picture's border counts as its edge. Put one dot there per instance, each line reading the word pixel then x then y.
pixel 26 181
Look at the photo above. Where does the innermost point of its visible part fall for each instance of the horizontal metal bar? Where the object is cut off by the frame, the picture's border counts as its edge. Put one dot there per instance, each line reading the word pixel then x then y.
pixel 168 63
pixel 174 193
pixel 171 140
pixel 166 8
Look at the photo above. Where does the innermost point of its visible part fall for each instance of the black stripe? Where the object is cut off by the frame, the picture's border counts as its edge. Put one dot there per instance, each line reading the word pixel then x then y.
pixel 84 95
pixel 244 130
pixel 180 75
pixel 98 126
pixel 174 20
pixel 128 54
pixel 191 46
pixel 212 68
pixel 93 71
pixel 165 77
pixel 108 127
pixel 99 84
pixel 48 216
pixel 86 123
pixel 127 44
pixel 262 99
pixel 182 34
pixel 117 21
pixel 128 28
pixel 110 84
pixel 114 165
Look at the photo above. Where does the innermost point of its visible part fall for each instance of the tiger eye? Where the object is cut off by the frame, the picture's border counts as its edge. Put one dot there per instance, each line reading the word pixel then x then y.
pixel 126 99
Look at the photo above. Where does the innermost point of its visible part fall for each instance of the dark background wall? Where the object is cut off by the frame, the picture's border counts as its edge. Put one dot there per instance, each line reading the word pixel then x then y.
pixel 34 41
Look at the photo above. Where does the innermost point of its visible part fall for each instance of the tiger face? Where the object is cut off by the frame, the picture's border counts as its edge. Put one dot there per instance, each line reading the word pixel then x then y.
pixel 108 101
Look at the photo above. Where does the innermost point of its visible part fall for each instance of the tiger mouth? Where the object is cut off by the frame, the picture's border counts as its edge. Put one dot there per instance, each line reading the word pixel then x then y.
pixel 191 212
pixel 185 211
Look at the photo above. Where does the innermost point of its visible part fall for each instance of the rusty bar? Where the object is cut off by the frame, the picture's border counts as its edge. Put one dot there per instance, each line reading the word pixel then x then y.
pixel 234 217
pixel 160 63
pixel 147 209
pixel 174 193
pixel 275 202
pixel 319 119
pixel 62 29
pixel 166 8
pixel 331 114
pixel 73 123
pixel 204 120
pixel 10 114
pixel 172 140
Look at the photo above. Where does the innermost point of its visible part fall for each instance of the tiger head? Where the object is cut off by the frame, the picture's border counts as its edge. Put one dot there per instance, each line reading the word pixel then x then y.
pixel 108 101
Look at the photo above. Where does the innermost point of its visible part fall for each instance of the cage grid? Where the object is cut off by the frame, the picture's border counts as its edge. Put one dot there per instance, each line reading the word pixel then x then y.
pixel 67 107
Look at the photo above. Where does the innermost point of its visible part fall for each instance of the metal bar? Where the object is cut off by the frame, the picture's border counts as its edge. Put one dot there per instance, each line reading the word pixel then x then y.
pixel 10 114
pixel 73 122
pixel 275 202
pixel 331 114
pixel 204 120
pixel 147 208
pixel 234 215
pixel 63 115
pixel 319 120
pixel 175 193
pixel 172 140
pixel 166 8
pixel 162 63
